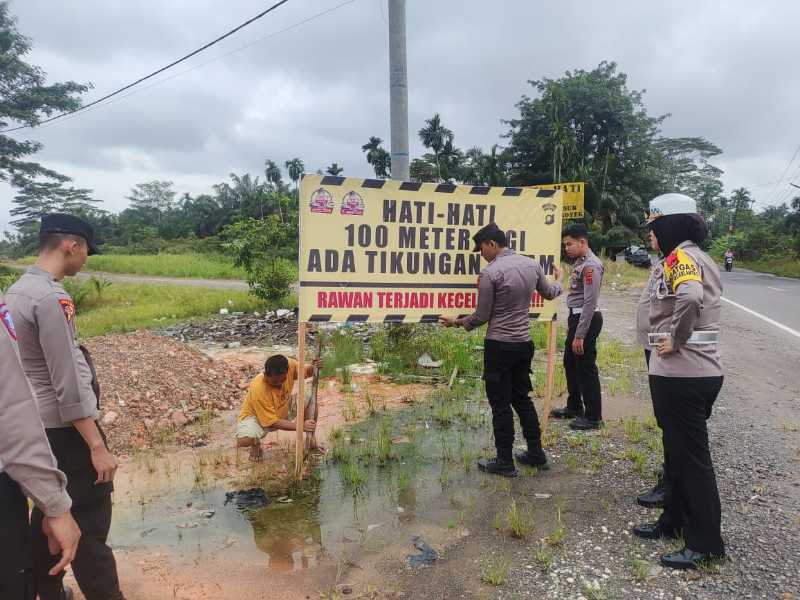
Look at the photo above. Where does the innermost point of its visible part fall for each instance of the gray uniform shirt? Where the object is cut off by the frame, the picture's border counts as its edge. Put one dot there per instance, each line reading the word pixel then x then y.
pixel 684 298
pixel 44 315
pixel 643 312
pixel 505 290
pixel 24 450
pixel 584 289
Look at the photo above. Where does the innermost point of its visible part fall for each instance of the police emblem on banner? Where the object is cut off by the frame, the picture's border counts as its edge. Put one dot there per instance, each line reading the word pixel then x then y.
pixel 5 316
pixel 352 204
pixel 549 213
pixel 321 201
pixel 68 306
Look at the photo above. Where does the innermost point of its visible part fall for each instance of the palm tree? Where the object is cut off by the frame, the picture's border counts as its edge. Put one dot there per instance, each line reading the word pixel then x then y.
pixel 295 167
pixel 272 173
pixel 378 157
pixel 334 169
pixel 436 137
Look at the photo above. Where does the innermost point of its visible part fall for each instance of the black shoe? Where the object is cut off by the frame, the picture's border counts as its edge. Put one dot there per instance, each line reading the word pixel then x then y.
pixel 689 559
pixel 652 499
pixel 498 467
pixel 653 531
pixel 533 459
pixel 584 424
pixel 565 413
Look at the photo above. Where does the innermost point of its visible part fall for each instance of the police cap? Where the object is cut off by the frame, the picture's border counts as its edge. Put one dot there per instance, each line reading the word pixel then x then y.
pixel 71 225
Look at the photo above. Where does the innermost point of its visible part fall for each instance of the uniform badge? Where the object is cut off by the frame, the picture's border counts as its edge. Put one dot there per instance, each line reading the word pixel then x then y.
pixel 5 316
pixel 588 275
pixel 68 306
pixel 679 268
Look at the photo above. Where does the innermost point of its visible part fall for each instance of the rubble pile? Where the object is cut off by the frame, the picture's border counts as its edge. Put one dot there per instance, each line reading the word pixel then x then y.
pixel 153 389
pixel 240 329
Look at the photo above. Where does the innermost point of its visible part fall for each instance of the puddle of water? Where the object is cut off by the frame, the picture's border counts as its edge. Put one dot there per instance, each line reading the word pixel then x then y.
pixel 425 488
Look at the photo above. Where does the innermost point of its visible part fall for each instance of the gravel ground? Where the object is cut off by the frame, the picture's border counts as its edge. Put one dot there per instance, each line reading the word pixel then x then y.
pixel 755 446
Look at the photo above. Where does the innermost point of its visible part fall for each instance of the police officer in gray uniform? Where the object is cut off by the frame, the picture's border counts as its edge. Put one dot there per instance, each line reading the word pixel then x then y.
pixel 44 316
pixel 505 289
pixel 584 323
pixel 653 498
pixel 27 468
pixel 685 379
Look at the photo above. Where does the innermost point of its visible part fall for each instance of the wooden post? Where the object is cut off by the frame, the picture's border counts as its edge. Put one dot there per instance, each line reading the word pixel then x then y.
pixel 301 400
pixel 313 405
pixel 552 330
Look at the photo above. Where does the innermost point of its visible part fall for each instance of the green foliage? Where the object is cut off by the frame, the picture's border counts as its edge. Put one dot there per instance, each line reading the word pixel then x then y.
pixel 340 349
pixel 378 157
pixel 26 99
pixel 128 307
pixel 256 246
pixel 494 570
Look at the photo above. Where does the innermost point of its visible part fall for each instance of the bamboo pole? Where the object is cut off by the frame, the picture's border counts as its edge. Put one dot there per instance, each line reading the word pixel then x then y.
pixel 301 400
pixel 552 330
pixel 313 405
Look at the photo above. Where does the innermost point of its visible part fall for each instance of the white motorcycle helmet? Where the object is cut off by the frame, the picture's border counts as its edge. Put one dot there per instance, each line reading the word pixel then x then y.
pixel 671 204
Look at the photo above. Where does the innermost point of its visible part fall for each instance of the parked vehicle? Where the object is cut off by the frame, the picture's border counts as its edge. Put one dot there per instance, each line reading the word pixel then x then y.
pixel 638 257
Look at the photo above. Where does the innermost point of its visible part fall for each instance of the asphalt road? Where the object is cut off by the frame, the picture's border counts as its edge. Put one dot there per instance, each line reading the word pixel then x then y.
pixel 776 298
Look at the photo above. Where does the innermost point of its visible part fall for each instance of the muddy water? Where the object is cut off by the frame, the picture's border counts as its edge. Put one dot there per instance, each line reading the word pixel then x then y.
pixel 173 507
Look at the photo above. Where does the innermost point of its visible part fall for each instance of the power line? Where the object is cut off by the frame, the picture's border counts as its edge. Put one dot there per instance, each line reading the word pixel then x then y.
pixel 161 70
pixel 68 116
pixel 786 170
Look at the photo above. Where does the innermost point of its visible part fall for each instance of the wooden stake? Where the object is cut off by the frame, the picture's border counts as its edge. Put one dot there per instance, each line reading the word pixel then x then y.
pixel 313 405
pixel 452 378
pixel 552 330
pixel 301 400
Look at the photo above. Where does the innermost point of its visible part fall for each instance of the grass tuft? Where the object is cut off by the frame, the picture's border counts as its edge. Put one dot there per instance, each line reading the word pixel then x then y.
pixel 494 570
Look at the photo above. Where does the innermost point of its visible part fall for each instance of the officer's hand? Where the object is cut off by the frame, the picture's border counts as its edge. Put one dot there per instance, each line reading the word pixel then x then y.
pixel 665 346
pixel 448 321
pixel 105 464
pixel 577 346
pixel 62 536
pixel 559 273
pixel 317 363
pixel 309 426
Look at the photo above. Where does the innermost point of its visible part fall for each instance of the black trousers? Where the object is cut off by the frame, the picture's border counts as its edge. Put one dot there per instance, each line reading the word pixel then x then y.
pixel 506 373
pixel 692 505
pixel 583 378
pixel 662 478
pixel 16 575
pixel 94 566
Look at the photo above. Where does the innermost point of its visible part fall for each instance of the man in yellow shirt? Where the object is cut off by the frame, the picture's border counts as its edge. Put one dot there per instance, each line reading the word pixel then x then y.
pixel 266 406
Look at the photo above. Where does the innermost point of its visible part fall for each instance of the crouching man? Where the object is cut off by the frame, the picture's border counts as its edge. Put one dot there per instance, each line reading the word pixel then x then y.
pixel 268 402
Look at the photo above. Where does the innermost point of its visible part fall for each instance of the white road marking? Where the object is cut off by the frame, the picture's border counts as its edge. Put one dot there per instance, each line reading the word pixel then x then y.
pixel 776 289
pixel 763 318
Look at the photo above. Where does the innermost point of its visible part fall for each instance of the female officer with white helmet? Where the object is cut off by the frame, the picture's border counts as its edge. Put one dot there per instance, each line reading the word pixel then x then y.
pixel 685 378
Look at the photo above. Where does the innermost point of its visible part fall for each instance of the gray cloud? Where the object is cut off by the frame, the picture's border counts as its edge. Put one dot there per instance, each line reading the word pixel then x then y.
pixel 723 70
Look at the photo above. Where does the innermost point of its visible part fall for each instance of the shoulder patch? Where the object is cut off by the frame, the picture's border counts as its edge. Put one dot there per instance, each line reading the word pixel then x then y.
pixel 588 274
pixel 68 306
pixel 680 268
pixel 5 317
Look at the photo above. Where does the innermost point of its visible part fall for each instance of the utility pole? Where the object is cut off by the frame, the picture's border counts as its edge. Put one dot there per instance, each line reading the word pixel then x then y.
pixel 398 89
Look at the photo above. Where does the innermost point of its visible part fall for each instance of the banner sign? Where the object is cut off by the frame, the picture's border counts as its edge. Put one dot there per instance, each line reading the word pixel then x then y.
pixel 573 197
pixel 374 250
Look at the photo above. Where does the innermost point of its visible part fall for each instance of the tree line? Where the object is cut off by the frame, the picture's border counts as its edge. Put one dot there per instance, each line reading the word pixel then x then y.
pixel 586 125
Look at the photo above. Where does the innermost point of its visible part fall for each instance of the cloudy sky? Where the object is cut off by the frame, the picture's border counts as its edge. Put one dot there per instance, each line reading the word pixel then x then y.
pixel 726 71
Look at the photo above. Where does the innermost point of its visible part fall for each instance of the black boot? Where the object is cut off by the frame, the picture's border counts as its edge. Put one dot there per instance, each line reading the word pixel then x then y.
pixel 689 559
pixel 533 458
pixel 583 424
pixel 655 497
pixel 565 413
pixel 498 466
